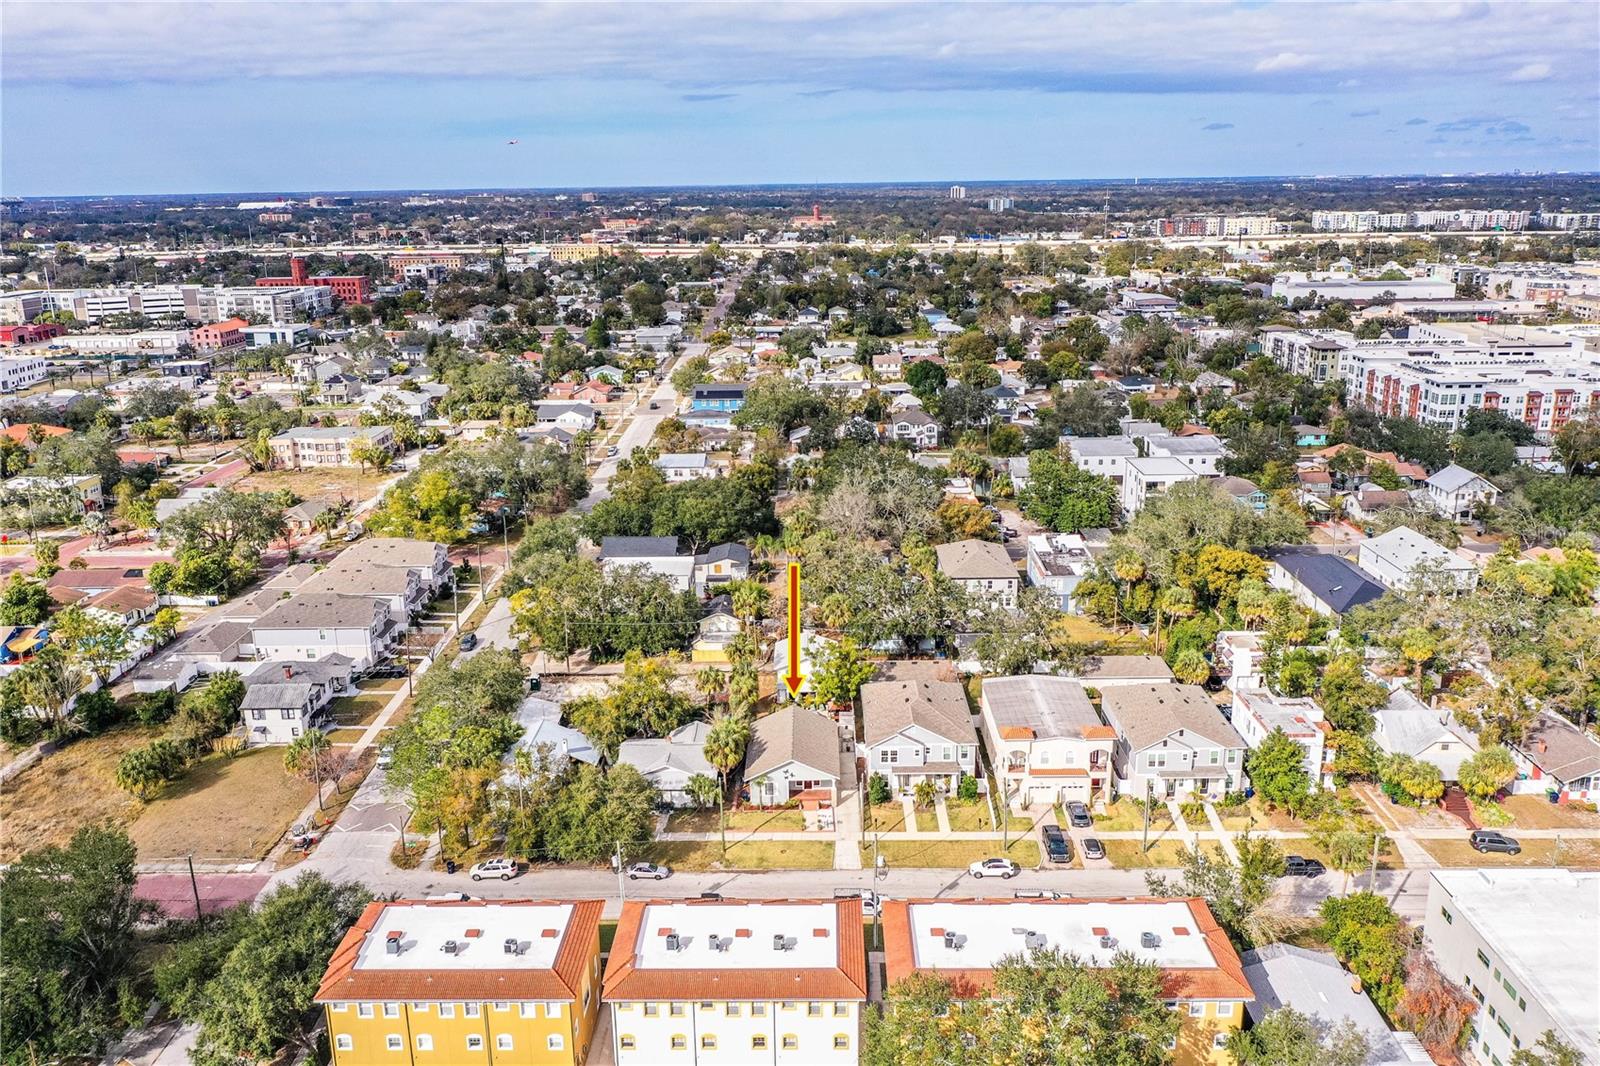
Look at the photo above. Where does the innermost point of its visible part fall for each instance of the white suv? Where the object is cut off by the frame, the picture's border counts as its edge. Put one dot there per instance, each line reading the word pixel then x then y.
pixel 994 868
pixel 504 869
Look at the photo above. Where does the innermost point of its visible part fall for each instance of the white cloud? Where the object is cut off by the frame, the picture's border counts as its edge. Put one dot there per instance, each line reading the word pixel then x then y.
pixel 1133 47
pixel 1530 72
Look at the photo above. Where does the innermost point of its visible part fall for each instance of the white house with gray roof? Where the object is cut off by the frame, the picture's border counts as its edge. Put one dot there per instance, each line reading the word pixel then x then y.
pixel 918 730
pixel 1407 726
pixel 1172 740
pixel 1455 492
pixel 796 753
pixel 983 568
pixel 309 627
pixel 284 700
pixel 1404 559
pixel 1106 456
pixel 1316 985
pixel 669 762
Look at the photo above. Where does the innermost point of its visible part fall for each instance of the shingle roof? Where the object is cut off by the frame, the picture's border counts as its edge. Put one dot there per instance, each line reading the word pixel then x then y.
pixel 1313 982
pixel 682 749
pixel 638 547
pixel 392 551
pixel 1455 477
pixel 318 610
pixel 888 707
pixel 1561 749
pixel 794 734
pixel 1333 579
pixel 1147 714
pixel 975 560
pixel 1112 667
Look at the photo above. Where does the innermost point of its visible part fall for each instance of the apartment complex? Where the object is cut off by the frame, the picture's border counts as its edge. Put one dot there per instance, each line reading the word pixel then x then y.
pixel 1523 943
pixel 305 446
pixel 448 982
pixel 198 302
pixel 1466 219
pixel 737 981
pixel 1048 744
pixel 962 940
pixel 22 371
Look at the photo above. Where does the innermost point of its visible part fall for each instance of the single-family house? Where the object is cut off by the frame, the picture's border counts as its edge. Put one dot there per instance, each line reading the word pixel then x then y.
pixel 813 648
pixel 573 417
pixel 1056 563
pixel 1145 478
pixel 1407 726
pixel 915 427
pixel 686 466
pixel 918 730
pixel 1306 436
pixel 284 700
pixel 1323 581
pixel 1106 456
pixel 1315 984
pixel 983 568
pixel 715 632
pixel 669 762
pixel 544 738
pixel 1245 491
pixel 1171 742
pixel 1457 492
pixel 1100 672
pixel 1258 713
pixel 1404 559
pixel 1557 757
pixel 795 753
pixel 1047 743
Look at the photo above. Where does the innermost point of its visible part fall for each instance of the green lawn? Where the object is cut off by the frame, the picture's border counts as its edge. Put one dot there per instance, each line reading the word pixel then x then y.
pixel 969 817
pixel 1125 815
pixel 1163 854
pixel 345 736
pixel 359 710
pixel 785 820
pixel 701 855
pixel 889 818
pixel 949 854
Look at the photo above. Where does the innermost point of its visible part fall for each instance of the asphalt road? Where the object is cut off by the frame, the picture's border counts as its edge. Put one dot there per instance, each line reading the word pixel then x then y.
pixel 639 426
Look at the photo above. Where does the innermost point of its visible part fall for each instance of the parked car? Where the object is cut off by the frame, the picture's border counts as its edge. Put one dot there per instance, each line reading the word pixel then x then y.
pixel 1078 816
pixel 654 871
pixel 1057 845
pixel 1037 893
pixel 1299 866
pixel 994 868
pixel 611 452
pixel 1494 840
pixel 869 899
pixel 469 641
pixel 385 756
pixel 1093 849
pixel 388 670
pixel 504 869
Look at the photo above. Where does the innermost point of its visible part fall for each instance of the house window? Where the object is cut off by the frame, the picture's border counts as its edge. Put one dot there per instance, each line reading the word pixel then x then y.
pixel 474 1042
pixel 258 715
pixel 552 1009
pixel 790 1042
pixel 625 1042
pixel 758 1010
pixel 813 1010
pixel 949 753
pixel 676 1010
pixel 1224 1010
pixel 841 1042
pixel 363 1010
pixel 394 1042
pixel 1197 1010
pixel 1510 989
pixel 651 1010
pixel 1483 958
pixel 424 1042
pixel 706 1006
pixel 447 1010
pixel 841 1010
pixel 731 1010
pixel 502 1042
pixel 1219 1040
pixel 531 1010
pixel 679 1042
pixel 343 1042
pixel 470 1009
pixel 502 1006
pixel 391 1010
pixel 553 1042
pixel 708 1042
pixel 758 1042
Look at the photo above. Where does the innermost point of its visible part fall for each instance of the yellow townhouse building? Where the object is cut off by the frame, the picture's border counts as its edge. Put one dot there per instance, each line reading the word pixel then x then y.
pixel 459 983
pixel 962 940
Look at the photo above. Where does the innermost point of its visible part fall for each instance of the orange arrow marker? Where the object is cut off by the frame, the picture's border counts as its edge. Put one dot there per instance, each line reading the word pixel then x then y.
pixel 792 680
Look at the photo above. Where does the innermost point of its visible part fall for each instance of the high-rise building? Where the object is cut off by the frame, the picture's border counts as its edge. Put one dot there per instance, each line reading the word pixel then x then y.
pixel 1001 203
pixel 958 192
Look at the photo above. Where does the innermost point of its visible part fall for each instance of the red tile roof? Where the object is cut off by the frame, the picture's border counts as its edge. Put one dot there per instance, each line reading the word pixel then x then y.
pixel 342 982
pixel 1225 980
pixel 847 979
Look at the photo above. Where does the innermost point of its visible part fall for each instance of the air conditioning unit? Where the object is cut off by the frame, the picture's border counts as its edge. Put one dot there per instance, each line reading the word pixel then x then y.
pixel 1149 940
pixel 450 947
pixel 780 942
pixel 717 943
pixel 1108 942
pixel 955 941
pixel 391 946
pixel 674 942
pixel 513 946
pixel 1035 941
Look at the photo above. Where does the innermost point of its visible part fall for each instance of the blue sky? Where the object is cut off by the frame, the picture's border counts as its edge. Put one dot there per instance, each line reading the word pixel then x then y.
pixel 129 98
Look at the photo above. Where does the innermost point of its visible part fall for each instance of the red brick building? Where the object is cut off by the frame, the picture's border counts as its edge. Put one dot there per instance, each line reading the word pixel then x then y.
pixel 228 333
pixel 29 334
pixel 349 288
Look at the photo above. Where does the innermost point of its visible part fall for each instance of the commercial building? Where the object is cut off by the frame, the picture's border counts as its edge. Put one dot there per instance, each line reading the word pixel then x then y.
pixel 152 344
pixel 1523 944
pixel 221 336
pixel 1298 286
pixel 22 371
pixel 289 334
pixel 348 288
pixel 963 940
pixel 1312 353
pixel 463 982
pixel 737 981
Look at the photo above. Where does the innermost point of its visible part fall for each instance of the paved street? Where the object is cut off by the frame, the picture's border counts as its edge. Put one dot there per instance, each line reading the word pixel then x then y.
pixel 638 426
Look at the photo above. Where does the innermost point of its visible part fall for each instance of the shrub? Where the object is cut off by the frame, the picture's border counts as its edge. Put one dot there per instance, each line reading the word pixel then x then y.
pixel 153 708
pixel 967 789
pixel 878 789
pixel 97 711
pixel 143 771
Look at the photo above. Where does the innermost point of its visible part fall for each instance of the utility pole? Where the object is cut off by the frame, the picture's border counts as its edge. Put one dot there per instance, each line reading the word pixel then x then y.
pixel 1372 873
pixel 1148 799
pixel 616 862
pixel 194 886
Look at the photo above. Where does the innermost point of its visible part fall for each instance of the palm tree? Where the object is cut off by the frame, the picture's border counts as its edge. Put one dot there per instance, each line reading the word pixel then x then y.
pixel 47 685
pixel 1174 602
pixel 1129 568
pixel 750 599
pixel 726 741
pixel 710 681
pixel 705 791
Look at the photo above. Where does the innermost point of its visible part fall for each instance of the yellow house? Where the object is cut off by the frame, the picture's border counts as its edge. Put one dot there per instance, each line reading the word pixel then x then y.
pixel 717 631
pixel 962 939
pixel 507 982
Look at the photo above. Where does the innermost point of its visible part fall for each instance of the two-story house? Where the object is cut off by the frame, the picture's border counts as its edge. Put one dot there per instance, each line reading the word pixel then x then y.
pixel 1403 559
pixel 1455 492
pixel 397 586
pixel 914 731
pixel 915 427
pixel 659 555
pixel 1046 741
pixel 983 568
pixel 1258 713
pixel 1172 742
pixel 284 700
pixel 312 627
pixel 429 559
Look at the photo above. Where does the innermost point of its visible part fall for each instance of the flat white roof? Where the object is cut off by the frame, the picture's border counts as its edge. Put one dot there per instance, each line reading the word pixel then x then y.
pixel 1545 926
pixel 743 934
pixel 1161 466
pixel 995 930
pixel 423 930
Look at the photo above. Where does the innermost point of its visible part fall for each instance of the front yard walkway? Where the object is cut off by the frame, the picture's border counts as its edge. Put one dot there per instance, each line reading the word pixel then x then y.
pixel 1223 838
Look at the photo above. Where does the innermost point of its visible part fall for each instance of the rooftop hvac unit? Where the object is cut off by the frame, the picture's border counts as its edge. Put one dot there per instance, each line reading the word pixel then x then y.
pixel 513 946
pixel 392 946
pixel 955 941
pixel 717 943
pixel 1108 942
pixel 1149 940
pixel 674 942
pixel 781 942
pixel 1035 941
pixel 450 947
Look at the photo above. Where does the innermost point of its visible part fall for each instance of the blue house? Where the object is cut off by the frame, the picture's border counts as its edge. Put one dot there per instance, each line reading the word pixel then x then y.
pixel 1310 437
pixel 1245 491
pixel 716 398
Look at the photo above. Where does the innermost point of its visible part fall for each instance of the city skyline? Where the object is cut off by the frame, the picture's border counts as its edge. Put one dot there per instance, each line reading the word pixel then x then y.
pixel 384 97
